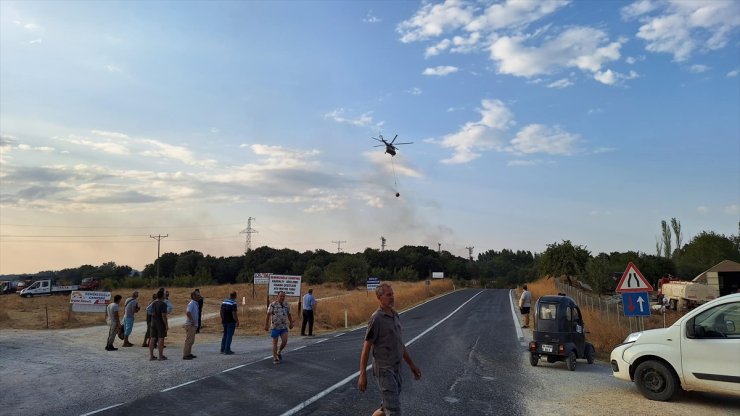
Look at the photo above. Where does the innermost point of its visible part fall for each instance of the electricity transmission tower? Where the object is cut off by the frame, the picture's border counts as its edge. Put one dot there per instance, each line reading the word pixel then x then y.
pixel 159 238
pixel 470 252
pixel 439 248
pixel 248 231
pixel 382 243
pixel 339 245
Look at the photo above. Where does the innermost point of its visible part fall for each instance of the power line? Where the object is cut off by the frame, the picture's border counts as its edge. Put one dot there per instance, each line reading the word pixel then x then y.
pixel 118 227
pixel 159 238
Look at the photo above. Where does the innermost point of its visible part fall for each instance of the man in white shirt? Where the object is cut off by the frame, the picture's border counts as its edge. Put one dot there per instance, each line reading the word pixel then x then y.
pixel 525 302
pixel 191 324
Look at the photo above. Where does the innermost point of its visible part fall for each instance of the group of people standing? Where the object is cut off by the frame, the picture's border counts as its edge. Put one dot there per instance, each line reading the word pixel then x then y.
pixel 157 323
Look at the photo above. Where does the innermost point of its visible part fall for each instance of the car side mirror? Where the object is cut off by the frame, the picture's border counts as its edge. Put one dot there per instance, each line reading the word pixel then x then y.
pixel 690 329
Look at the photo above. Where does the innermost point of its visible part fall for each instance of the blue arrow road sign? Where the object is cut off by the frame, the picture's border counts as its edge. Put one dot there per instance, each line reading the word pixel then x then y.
pixel 636 304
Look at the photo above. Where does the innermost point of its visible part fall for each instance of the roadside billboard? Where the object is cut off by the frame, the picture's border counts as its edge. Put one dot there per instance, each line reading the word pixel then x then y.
pixel 291 285
pixel 438 275
pixel 261 278
pixel 88 301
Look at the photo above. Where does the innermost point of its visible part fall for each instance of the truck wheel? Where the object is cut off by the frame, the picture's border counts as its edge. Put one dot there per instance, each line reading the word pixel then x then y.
pixel 534 359
pixel 589 353
pixel 656 381
pixel 570 362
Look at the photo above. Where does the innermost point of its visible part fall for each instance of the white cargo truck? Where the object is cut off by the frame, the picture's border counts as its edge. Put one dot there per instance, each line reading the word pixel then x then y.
pixel 687 295
pixel 46 287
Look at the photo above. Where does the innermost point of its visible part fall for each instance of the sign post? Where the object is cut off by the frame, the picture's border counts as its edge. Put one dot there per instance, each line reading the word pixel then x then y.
pixel 635 290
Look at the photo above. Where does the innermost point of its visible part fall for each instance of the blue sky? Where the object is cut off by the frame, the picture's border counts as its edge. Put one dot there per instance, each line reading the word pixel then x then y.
pixel 531 122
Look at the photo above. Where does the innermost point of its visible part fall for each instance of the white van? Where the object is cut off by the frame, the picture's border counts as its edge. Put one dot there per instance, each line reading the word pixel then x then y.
pixel 700 352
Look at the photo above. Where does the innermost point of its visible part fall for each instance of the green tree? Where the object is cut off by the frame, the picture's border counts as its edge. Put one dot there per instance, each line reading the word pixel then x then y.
pixel 704 251
pixel 599 274
pixel 563 259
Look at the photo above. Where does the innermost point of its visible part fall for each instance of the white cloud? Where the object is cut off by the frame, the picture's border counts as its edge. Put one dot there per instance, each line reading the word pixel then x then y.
pixel 483 134
pixel 521 162
pixel 682 28
pixel 416 91
pixel 371 18
pixel 514 14
pixel 105 147
pixel 337 115
pixel 638 9
pixel 630 60
pixel 732 209
pixel 537 138
pixel 440 71
pixel 603 150
pixel 561 83
pixel 702 209
pixel 111 134
pixel 697 68
pixel 579 47
pixel 733 73
pixel 594 111
pixel 278 157
pixel 113 68
pixel 435 19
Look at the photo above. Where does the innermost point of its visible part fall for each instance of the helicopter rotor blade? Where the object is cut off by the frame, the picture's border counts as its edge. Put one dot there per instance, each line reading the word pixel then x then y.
pixel 404 143
pixel 394 139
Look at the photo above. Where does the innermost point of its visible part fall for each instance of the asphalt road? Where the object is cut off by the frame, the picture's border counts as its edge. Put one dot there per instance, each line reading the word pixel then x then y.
pixel 465 343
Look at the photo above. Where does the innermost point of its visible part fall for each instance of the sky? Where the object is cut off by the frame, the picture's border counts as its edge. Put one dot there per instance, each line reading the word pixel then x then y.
pixel 531 122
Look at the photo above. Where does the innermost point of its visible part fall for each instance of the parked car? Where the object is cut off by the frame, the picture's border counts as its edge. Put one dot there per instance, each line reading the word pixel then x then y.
pixel 559 332
pixel 700 352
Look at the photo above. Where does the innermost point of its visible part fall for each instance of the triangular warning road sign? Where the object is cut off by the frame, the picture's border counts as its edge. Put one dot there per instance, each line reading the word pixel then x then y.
pixel 633 281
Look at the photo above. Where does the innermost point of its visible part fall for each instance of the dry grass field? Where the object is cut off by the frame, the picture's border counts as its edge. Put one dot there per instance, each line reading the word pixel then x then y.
pixel 53 312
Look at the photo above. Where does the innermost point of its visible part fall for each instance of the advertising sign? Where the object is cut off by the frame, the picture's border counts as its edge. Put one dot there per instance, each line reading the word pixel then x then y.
pixel 261 278
pixel 87 301
pixel 291 285
pixel 373 283
pixel 438 275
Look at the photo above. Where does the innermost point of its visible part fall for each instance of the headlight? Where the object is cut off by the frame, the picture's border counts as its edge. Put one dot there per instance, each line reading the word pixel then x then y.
pixel 632 337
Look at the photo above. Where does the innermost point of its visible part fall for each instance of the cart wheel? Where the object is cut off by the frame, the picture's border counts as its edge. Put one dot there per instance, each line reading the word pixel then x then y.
pixel 590 353
pixel 656 381
pixel 534 359
pixel 571 361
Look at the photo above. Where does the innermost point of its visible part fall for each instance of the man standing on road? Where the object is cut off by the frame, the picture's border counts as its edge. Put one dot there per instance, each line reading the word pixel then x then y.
pixel 131 306
pixel 159 326
pixel 230 320
pixel 191 324
pixel 277 320
pixel 525 302
pixel 383 336
pixel 114 322
pixel 309 306
pixel 149 312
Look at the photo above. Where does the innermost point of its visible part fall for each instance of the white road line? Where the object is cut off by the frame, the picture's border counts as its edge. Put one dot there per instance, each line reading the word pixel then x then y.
pixel 339 334
pixel 183 384
pixel 101 410
pixel 519 332
pixel 233 368
pixel 298 348
pixel 306 403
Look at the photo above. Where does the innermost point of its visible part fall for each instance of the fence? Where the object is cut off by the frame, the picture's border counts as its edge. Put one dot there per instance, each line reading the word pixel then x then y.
pixel 611 310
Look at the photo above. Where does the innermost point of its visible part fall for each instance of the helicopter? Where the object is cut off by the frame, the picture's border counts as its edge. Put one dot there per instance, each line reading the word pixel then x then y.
pixel 390 148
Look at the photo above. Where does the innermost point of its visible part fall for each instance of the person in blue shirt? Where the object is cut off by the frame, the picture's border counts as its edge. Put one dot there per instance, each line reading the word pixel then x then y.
pixel 309 305
pixel 230 320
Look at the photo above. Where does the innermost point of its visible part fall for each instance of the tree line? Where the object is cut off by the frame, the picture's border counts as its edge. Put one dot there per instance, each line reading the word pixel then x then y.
pixel 505 268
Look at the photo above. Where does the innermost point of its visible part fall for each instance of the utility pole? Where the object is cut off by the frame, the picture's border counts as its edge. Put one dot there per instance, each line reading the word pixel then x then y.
pixel 470 252
pixel 159 238
pixel 248 231
pixel 339 245
pixel 382 243
pixel 439 248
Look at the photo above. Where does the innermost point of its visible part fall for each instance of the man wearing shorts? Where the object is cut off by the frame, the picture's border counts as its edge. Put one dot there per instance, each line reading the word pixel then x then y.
pixel 159 326
pixel 278 321
pixel 383 336
pixel 525 302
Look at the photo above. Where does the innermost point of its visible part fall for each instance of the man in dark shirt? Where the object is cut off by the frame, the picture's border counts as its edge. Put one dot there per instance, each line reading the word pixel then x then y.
pixel 384 337
pixel 230 320
pixel 200 311
pixel 159 326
